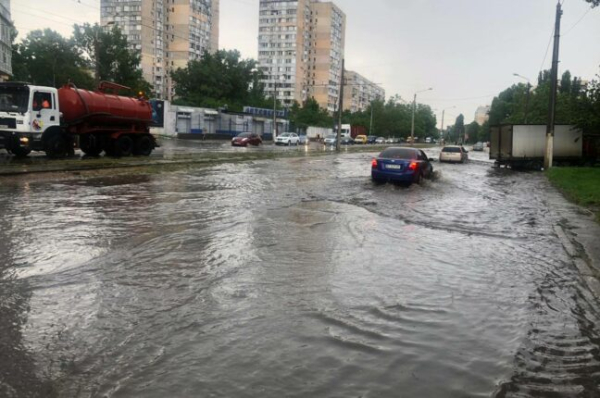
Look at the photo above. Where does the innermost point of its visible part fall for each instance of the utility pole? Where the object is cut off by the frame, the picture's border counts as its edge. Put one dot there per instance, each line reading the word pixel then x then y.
pixel 442 130
pixel 527 103
pixel 414 108
pixel 275 112
pixel 412 126
pixel 443 114
pixel 371 125
pixel 97 51
pixel 553 90
pixel 340 110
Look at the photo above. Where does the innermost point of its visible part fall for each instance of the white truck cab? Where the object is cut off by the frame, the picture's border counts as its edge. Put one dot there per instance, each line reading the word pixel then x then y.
pixel 26 112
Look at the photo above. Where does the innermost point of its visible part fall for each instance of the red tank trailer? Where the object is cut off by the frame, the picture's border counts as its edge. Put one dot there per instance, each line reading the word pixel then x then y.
pixel 105 121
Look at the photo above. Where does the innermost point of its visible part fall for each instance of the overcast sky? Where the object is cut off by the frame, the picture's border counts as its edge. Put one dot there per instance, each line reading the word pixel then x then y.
pixel 466 50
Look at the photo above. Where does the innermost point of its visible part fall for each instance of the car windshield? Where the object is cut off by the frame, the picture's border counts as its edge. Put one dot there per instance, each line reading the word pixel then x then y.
pixel 331 137
pixel 244 135
pixel 285 135
pixel 399 153
pixel 451 149
pixel 14 99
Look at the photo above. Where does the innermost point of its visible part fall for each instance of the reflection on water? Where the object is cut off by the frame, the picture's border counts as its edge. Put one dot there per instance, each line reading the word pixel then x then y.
pixel 294 278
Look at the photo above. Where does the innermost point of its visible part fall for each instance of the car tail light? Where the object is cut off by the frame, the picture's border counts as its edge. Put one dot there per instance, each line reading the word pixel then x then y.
pixel 413 166
pixel 374 163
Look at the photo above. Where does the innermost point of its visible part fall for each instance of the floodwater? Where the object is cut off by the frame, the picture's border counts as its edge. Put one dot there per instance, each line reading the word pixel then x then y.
pixel 291 278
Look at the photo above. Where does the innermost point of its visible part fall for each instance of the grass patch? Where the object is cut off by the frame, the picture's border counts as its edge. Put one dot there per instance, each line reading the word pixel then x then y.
pixel 580 184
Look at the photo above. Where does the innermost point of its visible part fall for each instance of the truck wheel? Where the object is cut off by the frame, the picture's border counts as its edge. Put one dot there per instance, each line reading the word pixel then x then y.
pixel 143 146
pixel 20 152
pixel 90 146
pixel 56 146
pixel 123 146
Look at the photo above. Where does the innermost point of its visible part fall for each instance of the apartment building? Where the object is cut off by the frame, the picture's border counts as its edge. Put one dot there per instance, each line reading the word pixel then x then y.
pixel 359 92
pixel 327 54
pixel 300 50
pixel 168 33
pixel 482 115
pixel 5 40
pixel 284 47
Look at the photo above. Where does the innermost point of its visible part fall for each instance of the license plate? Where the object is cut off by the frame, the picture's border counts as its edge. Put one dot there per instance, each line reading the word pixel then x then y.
pixel 393 167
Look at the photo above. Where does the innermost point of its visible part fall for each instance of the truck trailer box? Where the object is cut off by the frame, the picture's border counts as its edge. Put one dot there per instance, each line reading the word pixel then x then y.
pixel 513 143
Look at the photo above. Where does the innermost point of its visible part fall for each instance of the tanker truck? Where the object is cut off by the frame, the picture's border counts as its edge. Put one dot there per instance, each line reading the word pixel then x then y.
pixel 56 121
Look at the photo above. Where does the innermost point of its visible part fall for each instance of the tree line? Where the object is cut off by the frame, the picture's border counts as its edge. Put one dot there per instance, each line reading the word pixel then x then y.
pixel 46 58
pixel 222 79
pixel 578 103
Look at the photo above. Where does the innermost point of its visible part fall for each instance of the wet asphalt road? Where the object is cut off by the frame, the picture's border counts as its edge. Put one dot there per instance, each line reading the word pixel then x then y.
pixel 291 277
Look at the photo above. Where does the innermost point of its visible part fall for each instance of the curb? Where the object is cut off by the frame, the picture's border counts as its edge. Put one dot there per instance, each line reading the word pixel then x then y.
pixel 588 272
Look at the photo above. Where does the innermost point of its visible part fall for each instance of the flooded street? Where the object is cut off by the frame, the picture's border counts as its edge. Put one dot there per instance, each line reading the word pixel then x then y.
pixel 292 278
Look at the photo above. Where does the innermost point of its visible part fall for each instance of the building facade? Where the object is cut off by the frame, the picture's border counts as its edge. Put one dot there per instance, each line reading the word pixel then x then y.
pixel 300 50
pixel 327 54
pixel 168 34
pixel 359 92
pixel 6 29
pixel 482 115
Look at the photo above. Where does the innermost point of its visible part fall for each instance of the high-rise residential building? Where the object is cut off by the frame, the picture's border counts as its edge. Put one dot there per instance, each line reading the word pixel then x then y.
pixel 301 48
pixel 168 33
pixel 482 115
pixel 359 92
pixel 284 47
pixel 325 62
pixel 5 40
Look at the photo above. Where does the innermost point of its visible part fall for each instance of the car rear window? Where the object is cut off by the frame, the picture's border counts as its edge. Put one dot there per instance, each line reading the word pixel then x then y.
pixel 451 149
pixel 244 135
pixel 399 153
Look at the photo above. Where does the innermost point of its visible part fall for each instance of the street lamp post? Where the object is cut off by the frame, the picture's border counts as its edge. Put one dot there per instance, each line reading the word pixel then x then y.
pixel 414 107
pixel 528 93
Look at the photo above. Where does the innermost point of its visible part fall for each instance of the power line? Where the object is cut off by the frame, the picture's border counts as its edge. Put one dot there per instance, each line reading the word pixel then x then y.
pixel 97 7
pixel 461 99
pixel 577 23
pixel 547 49
pixel 49 13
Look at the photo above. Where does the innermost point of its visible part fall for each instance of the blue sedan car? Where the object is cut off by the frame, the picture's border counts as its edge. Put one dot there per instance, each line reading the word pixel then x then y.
pixel 399 164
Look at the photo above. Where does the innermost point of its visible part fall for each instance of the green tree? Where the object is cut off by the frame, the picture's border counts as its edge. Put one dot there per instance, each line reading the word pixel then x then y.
pixel 220 79
pixel 459 128
pixel 108 54
pixel 46 58
pixel 576 103
pixel 472 131
pixel 310 114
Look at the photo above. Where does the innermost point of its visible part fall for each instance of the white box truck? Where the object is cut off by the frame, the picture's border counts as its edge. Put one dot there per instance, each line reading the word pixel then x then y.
pixel 524 146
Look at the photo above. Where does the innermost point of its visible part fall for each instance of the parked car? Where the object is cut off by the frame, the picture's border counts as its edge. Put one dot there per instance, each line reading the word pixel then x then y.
pixel 478 147
pixel 360 139
pixel 380 140
pixel 287 139
pixel 454 154
pixel 347 141
pixel 401 164
pixel 302 140
pixel 245 139
pixel 371 139
pixel 330 139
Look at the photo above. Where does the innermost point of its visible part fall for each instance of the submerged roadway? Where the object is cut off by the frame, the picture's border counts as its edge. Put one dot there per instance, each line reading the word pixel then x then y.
pixel 292 277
